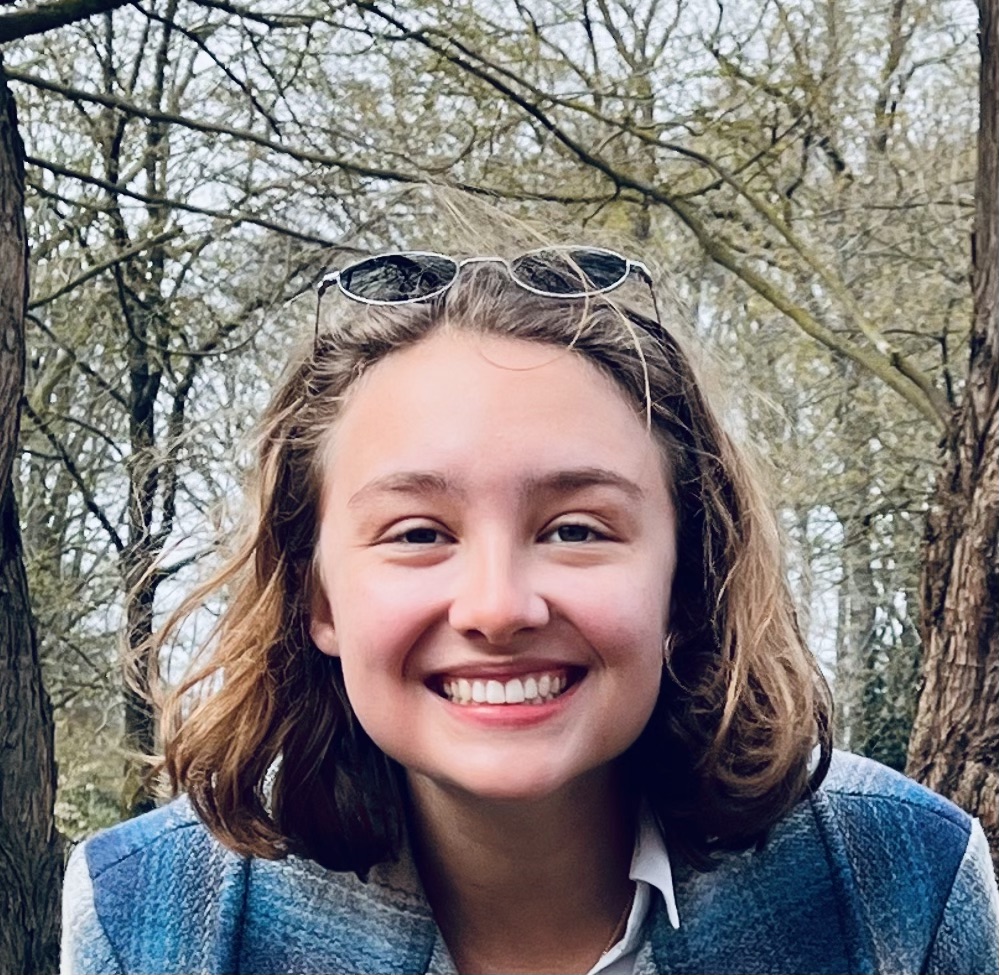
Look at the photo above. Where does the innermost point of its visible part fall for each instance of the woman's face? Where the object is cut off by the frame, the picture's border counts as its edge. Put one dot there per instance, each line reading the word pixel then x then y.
pixel 496 551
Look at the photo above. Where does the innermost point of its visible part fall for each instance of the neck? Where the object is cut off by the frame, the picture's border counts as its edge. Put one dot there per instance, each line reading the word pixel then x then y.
pixel 526 886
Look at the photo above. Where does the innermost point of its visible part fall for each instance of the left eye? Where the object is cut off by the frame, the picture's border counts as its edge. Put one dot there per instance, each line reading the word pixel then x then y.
pixel 572 532
pixel 419 535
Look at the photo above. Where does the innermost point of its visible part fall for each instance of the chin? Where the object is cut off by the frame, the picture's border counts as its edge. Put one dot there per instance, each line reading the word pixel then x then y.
pixel 515 785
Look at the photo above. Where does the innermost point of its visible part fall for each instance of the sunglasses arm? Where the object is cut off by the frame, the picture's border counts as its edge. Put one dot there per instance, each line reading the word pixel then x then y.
pixel 643 272
pixel 327 282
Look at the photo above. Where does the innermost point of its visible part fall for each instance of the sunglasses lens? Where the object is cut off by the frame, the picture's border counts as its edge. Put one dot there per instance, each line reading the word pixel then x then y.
pixel 575 272
pixel 398 277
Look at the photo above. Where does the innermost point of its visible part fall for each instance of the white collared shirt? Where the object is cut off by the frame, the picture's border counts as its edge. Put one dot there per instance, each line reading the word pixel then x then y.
pixel 651 871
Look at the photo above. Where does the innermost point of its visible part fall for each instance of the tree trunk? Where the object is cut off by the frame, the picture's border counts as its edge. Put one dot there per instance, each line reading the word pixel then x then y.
pixel 30 847
pixel 955 742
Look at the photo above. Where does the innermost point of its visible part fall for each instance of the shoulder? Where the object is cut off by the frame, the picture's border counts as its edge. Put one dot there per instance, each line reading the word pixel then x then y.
pixel 883 816
pixel 156 887
pixel 860 787
pixel 160 893
pixel 163 834
pixel 909 861
pixel 871 872
pixel 168 849
pixel 858 777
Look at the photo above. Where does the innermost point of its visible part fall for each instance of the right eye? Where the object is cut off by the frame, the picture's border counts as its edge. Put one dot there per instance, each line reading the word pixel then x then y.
pixel 419 536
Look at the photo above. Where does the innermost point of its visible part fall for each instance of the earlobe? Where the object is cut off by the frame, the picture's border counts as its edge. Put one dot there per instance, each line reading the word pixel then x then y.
pixel 324 637
pixel 321 627
pixel 667 647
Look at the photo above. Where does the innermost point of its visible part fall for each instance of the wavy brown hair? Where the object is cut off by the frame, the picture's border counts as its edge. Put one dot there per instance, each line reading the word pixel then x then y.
pixel 261 734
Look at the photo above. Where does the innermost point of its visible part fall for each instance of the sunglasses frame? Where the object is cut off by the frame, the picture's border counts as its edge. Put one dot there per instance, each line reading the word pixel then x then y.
pixel 654 328
pixel 335 277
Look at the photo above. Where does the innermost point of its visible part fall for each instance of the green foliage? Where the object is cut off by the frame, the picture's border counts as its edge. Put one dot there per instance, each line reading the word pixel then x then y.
pixel 91 764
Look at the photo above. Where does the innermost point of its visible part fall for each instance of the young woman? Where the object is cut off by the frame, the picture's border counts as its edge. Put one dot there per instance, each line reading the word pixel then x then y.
pixel 509 679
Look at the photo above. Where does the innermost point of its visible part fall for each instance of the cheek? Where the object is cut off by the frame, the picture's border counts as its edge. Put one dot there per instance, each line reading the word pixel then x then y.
pixel 382 616
pixel 628 612
pixel 377 696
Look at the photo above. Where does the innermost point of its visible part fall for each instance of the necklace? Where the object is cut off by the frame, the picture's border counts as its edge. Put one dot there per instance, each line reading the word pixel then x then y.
pixel 622 924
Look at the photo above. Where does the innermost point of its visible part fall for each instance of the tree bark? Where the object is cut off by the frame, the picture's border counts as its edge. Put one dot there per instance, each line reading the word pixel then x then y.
pixel 955 742
pixel 30 846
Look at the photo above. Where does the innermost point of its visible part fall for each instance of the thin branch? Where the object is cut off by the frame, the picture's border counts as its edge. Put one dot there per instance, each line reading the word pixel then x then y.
pixel 273 21
pixel 87 370
pixel 167 571
pixel 73 471
pixel 48 16
pixel 235 217
pixel 92 430
pixel 224 68
pixel 97 269
pixel 873 361
pixel 243 135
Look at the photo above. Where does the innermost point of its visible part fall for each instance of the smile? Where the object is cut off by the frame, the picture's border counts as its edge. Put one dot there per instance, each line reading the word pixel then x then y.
pixel 538 688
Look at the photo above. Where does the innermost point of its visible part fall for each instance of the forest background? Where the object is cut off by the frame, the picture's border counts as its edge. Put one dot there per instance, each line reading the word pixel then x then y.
pixel 801 175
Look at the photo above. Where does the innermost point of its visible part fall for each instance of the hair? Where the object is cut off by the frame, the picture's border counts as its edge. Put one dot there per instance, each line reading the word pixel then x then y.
pixel 261 735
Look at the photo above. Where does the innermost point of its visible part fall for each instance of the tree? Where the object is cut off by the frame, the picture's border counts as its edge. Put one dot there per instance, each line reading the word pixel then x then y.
pixel 30 851
pixel 955 742
pixel 31 860
pixel 115 269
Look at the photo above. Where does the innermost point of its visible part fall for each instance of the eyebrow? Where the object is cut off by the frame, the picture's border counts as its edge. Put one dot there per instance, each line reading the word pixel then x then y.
pixel 558 482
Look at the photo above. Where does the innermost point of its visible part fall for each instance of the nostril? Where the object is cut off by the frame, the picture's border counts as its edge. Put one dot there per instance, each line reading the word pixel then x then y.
pixel 498 621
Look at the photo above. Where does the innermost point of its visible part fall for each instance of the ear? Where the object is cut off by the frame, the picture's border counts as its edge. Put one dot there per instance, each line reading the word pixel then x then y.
pixel 321 623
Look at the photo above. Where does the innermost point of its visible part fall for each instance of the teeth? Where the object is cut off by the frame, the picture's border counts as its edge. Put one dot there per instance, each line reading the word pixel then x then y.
pixel 534 689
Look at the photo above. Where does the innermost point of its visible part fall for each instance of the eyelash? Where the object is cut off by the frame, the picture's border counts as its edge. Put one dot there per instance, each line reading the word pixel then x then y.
pixel 400 537
pixel 596 536
pixel 594 533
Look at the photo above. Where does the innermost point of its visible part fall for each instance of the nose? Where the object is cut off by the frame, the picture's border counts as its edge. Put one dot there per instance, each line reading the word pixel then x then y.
pixel 495 598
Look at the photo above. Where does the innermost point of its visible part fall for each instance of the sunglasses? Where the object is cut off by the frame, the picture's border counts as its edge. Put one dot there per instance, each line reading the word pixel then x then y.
pixel 412 276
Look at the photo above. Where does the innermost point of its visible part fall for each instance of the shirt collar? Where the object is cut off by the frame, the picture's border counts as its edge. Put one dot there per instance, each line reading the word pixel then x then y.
pixel 650 863
pixel 651 871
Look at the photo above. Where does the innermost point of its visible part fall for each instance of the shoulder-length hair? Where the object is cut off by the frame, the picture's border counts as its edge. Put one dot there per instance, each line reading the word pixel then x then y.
pixel 261 734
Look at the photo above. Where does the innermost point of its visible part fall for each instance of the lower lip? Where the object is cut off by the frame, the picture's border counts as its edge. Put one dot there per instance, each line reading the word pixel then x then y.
pixel 510 715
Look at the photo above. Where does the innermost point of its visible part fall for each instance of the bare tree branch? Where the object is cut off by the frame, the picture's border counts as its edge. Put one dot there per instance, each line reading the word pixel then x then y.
pixel 93 272
pixel 48 16
pixel 88 497
pixel 242 135
pixel 235 217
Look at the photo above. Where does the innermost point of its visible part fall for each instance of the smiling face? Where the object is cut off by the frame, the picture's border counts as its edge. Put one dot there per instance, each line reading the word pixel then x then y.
pixel 496 551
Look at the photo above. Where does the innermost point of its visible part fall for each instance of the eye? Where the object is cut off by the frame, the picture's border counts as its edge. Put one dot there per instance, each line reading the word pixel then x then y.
pixel 420 536
pixel 572 532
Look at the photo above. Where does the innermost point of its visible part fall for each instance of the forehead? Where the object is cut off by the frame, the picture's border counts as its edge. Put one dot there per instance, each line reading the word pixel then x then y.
pixel 481 407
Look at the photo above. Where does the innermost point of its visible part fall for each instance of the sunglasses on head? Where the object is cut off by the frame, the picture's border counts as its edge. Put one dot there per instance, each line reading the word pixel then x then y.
pixel 412 276
pixel 408 277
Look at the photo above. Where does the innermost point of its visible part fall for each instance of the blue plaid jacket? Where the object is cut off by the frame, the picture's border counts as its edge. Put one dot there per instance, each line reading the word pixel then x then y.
pixel 873 873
